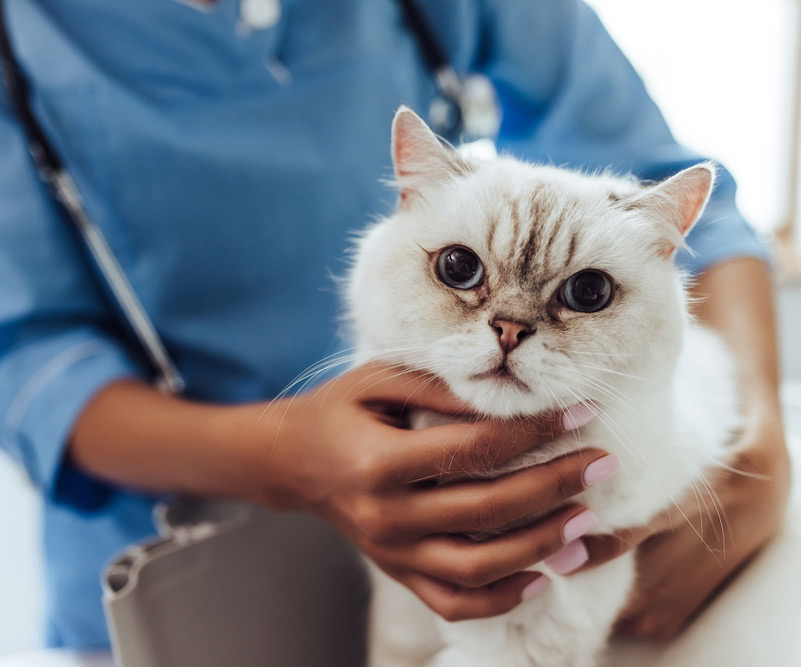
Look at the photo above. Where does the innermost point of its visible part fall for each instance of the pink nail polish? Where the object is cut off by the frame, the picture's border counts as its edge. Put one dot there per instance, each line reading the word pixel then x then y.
pixel 579 525
pixel 601 469
pixel 577 416
pixel 535 587
pixel 570 558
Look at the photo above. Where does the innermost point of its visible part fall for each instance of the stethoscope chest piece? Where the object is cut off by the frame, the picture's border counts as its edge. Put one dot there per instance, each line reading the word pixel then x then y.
pixel 260 14
pixel 465 109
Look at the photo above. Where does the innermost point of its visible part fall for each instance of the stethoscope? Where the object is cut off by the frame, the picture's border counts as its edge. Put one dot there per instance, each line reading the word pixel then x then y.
pixel 463 107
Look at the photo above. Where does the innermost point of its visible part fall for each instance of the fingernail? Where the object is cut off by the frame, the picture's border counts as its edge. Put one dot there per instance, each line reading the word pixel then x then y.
pixel 601 469
pixel 579 525
pixel 577 416
pixel 570 558
pixel 535 587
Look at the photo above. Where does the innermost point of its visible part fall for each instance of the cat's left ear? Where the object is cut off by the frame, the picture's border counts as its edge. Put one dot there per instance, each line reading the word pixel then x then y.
pixel 677 203
pixel 421 159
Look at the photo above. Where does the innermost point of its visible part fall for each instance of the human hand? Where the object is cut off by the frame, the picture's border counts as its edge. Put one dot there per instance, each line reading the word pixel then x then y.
pixel 341 452
pixel 687 554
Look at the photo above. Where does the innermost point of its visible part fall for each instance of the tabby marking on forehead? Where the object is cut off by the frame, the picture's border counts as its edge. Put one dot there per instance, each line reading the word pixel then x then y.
pixel 539 245
pixel 492 226
pixel 530 240
pixel 571 249
pixel 513 205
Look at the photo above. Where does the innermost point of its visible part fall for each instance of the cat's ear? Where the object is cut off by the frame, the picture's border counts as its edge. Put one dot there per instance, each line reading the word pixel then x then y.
pixel 420 158
pixel 677 203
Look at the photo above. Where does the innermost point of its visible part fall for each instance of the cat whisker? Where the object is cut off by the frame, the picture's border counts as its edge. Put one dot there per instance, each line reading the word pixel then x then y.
pixel 698 534
pixel 723 520
pixel 576 432
pixel 736 471
pixel 622 374
pixel 317 369
pixel 614 394
pixel 611 425
pixel 589 353
pixel 308 379
pixel 693 484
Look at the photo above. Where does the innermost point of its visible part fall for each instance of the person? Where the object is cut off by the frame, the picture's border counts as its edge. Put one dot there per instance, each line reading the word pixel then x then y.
pixel 227 160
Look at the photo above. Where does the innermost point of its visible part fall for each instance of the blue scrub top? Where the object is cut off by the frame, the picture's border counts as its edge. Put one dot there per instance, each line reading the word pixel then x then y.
pixel 227 167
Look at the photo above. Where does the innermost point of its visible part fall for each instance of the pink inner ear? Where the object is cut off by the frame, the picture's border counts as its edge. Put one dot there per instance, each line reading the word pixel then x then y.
pixel 688 193
pixel 694 199
pixel 417 155
pixel 404 156
pixel 408 133
pixel 403 150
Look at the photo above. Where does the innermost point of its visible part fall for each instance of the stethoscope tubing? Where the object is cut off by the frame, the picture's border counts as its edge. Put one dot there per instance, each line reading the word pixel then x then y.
pixel 60 184
pixel 52 172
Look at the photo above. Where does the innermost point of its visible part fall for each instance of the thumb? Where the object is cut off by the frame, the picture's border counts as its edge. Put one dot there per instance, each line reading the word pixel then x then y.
pixel 377 384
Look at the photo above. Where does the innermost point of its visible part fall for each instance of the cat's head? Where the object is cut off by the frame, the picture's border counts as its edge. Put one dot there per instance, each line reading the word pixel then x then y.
pixel 524 287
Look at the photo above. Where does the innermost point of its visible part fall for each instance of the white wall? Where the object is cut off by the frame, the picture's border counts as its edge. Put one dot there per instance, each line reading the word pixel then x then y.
pixel 721 71
pixel 21 591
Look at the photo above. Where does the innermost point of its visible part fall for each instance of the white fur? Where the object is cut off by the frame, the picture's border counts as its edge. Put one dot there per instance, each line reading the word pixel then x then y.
pixel 663 386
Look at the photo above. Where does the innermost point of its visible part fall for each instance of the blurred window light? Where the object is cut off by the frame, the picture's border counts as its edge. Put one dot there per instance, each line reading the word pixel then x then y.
pixel 723 74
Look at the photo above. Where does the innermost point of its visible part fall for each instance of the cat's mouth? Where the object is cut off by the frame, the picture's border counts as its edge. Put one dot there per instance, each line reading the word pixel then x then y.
pixel 502 374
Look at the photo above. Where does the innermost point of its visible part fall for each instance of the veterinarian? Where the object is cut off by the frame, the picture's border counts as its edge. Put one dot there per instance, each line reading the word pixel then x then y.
pixel 225 150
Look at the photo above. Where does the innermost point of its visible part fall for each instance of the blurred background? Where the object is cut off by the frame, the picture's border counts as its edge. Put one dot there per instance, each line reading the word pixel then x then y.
pixel 725 75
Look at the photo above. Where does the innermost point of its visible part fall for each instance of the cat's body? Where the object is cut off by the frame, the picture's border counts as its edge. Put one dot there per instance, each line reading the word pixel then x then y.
pixel 662 386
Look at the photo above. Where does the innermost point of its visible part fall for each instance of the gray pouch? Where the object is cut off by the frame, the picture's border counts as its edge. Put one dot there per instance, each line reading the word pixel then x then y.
pixel 228 583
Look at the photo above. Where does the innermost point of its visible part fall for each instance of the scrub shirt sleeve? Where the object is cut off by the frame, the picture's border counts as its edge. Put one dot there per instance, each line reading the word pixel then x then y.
pixel 57 348
pixel 570 97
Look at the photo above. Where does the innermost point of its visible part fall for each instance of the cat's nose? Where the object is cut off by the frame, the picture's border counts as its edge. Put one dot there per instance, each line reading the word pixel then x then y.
pixel 510 334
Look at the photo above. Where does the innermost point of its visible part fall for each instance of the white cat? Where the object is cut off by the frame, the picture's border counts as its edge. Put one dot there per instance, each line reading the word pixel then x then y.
pixel 529 288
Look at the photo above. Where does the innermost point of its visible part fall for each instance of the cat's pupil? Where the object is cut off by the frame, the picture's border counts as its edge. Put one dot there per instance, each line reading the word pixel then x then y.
pixel 587 291
pixel 460 268
pixel 461 265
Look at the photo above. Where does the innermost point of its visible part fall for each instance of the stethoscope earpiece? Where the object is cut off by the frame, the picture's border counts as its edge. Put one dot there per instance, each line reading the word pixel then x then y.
pixel 473 113
pixel 464 108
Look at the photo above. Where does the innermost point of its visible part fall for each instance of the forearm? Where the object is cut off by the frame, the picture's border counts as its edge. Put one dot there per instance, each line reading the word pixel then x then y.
pixel 132 435
pixel 678 572
pixel 736 299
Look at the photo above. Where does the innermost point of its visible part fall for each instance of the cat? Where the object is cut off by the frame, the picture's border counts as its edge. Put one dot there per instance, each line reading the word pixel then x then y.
pixel 531 288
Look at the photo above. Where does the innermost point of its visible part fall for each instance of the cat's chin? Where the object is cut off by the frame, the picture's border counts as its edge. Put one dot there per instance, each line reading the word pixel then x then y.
pixel 500 397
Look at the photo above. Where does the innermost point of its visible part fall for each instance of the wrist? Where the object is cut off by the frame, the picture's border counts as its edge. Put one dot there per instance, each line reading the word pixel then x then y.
pixel 762 411
pixel 761 450
pixel 253 463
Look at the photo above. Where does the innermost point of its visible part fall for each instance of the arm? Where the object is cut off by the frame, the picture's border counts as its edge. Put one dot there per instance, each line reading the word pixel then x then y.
pixel 338 452
pixel 57 343
pixel 672 560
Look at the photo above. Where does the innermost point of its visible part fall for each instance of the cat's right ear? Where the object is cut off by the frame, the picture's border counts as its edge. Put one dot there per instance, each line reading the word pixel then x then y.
pixel 676 204
pixel 420 158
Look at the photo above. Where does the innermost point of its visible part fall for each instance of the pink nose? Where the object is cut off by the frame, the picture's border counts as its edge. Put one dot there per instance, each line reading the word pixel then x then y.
pixel 510 334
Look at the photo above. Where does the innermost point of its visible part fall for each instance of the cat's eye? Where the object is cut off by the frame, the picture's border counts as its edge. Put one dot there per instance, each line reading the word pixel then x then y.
pixel 460 268
pixel 587 291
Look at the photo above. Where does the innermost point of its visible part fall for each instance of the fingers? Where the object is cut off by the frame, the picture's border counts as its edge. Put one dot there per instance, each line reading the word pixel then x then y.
pixel 455 450
pixel 458 604
pixel 470 564
pixel 490 505
pixel 603 548
pixel 377 384
pixel 460 450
